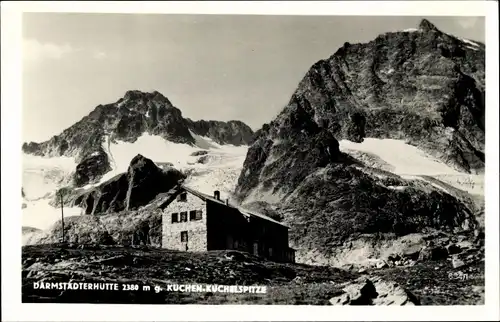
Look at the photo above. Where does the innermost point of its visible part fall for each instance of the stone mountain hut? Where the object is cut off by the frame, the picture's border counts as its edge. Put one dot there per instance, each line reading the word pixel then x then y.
pixel 193 221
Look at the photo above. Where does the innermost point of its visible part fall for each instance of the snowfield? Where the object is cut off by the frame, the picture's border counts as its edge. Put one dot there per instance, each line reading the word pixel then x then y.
pixel 42 176
pixel 40 214
pixel 160 151
pixel 470 42
pixel 410 162
pixel 217 170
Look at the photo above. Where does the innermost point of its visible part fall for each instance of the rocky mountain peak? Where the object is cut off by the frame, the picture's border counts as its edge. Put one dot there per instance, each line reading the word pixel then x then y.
pixel 140 162
pixel 133 115
pixel 422 88
pixel 425 25
pixel 405 85
pixel 137 95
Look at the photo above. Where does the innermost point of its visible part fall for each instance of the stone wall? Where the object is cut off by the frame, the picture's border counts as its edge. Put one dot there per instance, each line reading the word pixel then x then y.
pixel 196 229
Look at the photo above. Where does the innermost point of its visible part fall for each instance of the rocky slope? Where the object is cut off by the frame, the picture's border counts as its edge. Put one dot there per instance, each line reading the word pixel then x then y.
pixel 426 283
pixel 421 86
pixel 139 226
pixel 126 120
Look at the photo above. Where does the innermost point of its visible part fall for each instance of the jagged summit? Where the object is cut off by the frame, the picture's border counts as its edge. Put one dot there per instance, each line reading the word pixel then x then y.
pixel 426 25
pixel 141 95
pixel 131 94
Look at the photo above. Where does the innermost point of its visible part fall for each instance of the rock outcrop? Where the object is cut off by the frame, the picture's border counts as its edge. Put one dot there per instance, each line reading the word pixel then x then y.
pixel 80 230
pixel 128 191
pixel 374 292
pixel 232 132
pixel 142 226
pixel 91 168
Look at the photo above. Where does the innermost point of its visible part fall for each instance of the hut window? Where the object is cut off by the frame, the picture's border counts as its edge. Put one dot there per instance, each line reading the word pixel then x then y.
pixel 195 215
pixel 182 197
pixel 175 217
pixel 183 216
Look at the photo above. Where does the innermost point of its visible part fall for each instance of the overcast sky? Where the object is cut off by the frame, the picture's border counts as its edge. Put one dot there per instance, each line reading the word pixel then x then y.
pixel 210 67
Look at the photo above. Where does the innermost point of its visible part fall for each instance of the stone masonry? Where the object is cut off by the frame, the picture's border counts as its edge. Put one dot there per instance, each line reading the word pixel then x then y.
pixel 196 229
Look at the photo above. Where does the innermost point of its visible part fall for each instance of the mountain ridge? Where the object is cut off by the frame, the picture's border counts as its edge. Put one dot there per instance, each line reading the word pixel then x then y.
pixel 426 84
pixel 125 120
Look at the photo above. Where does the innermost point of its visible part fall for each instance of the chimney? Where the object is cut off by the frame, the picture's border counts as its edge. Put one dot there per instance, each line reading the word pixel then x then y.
pixel 227 202
pixel 217 194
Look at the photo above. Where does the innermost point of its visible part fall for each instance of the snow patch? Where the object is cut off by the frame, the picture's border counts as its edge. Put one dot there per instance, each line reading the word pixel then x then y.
pixel 410 162
pixel 470 42
pixel 410 30
pixel 42 176
pixel 426 181
pixel 40 214
pixel 400 188
pixel 220 172
pixel 121 103
pixel 203 142
pixel 404 158
pixel 472 183
pixel 150 146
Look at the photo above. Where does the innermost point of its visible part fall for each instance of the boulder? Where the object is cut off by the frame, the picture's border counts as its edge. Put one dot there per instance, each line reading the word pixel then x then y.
pixel 203 159
pixel 457 262
pixel 453 249
pixel 199 153
pixel 433 253
pixel 374 292
pixel 381 264
pixel 465 244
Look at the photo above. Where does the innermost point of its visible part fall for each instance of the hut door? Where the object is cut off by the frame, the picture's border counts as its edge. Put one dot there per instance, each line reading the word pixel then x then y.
pixel 256 248
pixel 184 241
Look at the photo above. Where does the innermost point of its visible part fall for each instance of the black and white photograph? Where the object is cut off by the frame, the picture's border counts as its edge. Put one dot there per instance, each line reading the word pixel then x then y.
pixel 253 159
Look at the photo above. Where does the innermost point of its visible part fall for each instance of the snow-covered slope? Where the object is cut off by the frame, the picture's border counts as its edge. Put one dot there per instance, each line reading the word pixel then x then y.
pixel 410 162
pixel 218 169
pixel 40 214
pixel 41 176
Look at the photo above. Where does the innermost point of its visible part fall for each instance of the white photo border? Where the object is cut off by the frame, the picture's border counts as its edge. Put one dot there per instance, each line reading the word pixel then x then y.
pixel 13 309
